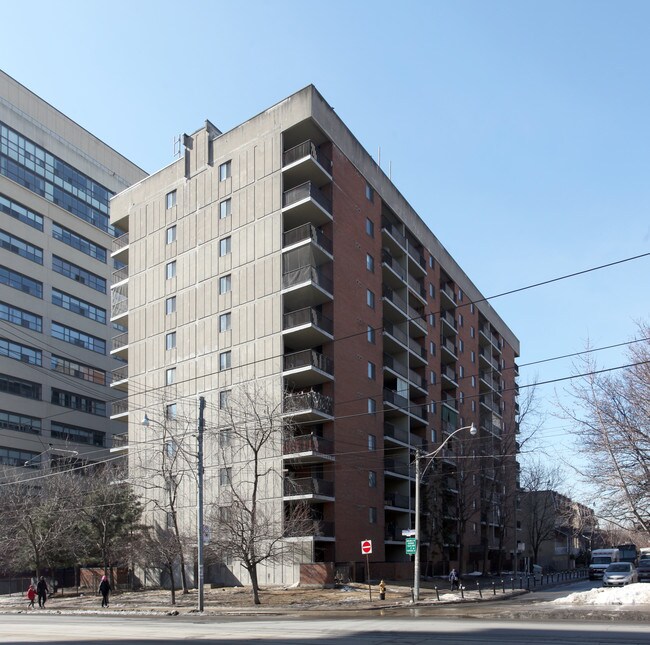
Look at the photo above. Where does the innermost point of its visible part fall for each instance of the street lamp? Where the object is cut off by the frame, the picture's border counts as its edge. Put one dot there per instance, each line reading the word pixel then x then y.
pixel 199 501
pixel 418 480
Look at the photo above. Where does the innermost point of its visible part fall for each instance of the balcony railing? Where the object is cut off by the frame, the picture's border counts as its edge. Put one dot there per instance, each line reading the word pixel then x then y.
pixel 449 373
pixel 450 401
pixel 388 259
pixel 307 232
pixel 308 273
pixel 415 253
pixel 120 274
pixel 120 373
pixel 316 528
pixel 395 365
pixel 308 358
pixel 487 401
pixel 395 332
pixel 394 232
pixel 308 486
pixel 414 377
pixel 309 401
pixel 449 345
pixel 308 443
pixel 445 288
pixel 119 407
pixel 417 286
pixel 307 316
pixel 119 304
pixel 390 396
pixel 448 317
pixel 396 499
pixel 306 191
pixel 120 242
pixel 120 340
pixel 120 440
pixel 399 302
pixel 307 149
pixel 397 466
pixel 396 433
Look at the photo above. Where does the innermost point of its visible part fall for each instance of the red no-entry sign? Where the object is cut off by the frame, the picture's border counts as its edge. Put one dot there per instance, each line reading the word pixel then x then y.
pixel 366 547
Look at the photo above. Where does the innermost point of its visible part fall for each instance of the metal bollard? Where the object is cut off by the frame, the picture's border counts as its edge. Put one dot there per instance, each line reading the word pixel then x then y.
pixel 478 586
pixel 494 589
pixel 521 582
pixel 437 594
pixel 528 582
pixel 503 585
pixel 462 591
pixel 512 583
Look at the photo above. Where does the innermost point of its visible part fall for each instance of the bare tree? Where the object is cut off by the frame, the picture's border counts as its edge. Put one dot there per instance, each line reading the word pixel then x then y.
pixel 247 520
pixel 611 413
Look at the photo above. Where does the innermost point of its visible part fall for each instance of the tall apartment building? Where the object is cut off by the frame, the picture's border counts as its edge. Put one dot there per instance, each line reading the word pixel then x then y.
pixel 279 252
pixel 55 271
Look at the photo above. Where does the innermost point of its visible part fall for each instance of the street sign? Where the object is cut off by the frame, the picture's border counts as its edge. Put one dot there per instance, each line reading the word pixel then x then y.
pixel 411 545
pixel 366 547
pixel 408 532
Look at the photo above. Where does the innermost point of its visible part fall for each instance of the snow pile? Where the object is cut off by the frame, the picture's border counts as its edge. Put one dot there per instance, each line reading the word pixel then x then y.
pixel 635 594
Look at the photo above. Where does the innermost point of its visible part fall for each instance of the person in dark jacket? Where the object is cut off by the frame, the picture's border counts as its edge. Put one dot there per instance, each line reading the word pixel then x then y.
pixel 41 591
pixel 104 589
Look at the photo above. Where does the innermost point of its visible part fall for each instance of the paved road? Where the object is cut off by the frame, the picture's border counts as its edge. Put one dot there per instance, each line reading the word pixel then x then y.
pixel 378 630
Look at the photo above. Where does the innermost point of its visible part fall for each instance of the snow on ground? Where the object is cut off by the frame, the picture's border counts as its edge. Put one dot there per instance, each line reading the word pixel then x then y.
pixel 634 594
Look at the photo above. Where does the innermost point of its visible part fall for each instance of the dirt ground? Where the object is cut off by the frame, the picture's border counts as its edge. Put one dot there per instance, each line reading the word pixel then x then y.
pixel 240 599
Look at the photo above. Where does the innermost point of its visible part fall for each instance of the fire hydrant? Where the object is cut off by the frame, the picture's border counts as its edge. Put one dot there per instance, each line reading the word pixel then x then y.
pixel 382 590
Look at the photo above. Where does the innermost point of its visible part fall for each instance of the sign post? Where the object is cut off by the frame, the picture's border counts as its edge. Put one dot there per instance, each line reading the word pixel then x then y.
pixel 366 549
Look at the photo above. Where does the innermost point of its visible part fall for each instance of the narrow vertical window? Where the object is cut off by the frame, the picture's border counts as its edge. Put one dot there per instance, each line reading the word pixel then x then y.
pixel 171 234
pixel 225 170
pixel 170 270
pixel 225 208
pixel 170 199
pixel 370 299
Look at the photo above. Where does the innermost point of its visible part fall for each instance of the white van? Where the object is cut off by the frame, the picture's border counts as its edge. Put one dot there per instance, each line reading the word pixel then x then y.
pixel 600 560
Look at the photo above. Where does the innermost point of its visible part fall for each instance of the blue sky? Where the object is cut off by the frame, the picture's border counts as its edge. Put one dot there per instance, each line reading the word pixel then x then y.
pixel 518 130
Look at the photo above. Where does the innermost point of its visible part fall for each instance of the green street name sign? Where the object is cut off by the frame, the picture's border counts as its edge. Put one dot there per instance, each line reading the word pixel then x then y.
pixel 411 546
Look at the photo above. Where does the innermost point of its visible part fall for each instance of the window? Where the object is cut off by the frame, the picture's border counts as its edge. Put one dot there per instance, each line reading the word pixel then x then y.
pixel 431 261
pixel 225 360
pixel 20 317
pixel 432 378
pixel 471 308
pixel 19 212
pixel 370 227
pixel 372 515
pixel 170 270
pixel 224 246
pixel 472 332
pixel 225 284
pixel 224 399
pixel 77 434
pixel 170 376
pixel 225 476
pixel 21 247
pixel 21 282
pixel 473 356
pixel 432 291
pixel 170 447
pixel 460 295
pixel 19 422
pixel 372 406
pixel 78 338
pixel 461 345
pixel 370 299
pixel 225 208
pixel 370 193
pixel 76 273
pixel 170 305
pixel 371 335
pixel 432 348
pixel 171 234
pixel 78 242
pixel 461 371
pixel 371 371
pixel 225 170
pixel 460 320
pixel 170 340
pixel 473 381
pixel 225 437
pixel 372 479
pixel 19 387
pixel 78 370
pixel 370 263
pixel 78 402
pixel 225 322
pixel 170 199
pixel 20 352
pixel 78 306
pixel 473 405
pixel 461 397
pixel 372 442
pixel 432 320
pixel 22 458
pixel 171 411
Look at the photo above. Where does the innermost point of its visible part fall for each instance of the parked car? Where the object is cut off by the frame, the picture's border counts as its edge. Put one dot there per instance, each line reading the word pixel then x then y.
pixel 619 573
pixel 643 570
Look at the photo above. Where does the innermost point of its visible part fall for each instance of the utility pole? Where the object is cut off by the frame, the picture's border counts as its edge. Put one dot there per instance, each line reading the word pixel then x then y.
pixel 199 504
pixel 416 564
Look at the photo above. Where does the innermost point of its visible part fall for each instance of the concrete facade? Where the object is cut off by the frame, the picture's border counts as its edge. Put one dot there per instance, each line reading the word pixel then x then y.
pixel 280 254
pixel 55 332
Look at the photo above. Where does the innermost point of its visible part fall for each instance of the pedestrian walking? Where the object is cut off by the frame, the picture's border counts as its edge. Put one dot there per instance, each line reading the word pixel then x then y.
pixel 104 589
pixel 453 579
pixel 41 591
pixel 31 596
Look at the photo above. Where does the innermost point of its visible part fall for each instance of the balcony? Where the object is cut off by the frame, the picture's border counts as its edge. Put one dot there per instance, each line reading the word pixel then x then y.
pixel 120 248
pixel 308 488
pixel 417 321
pixel 399 306
pixel 417 287
pixel 448 321
pixel 397 500
pixel 399 435
pixel 305 204
pixel 306 162
pixel 309 406
pixel 486 336
pixel 448 351
pixel 308 234
pixel 447 296
pixel 308 448
pixel 485 357
pixel 307 327
pixel 120 440
pixel 395 275
pixel 120 344
pixel 315 530
pixel 417 263
pixel 392 236
pixel 120 378
pixel 120 275
pixel 396 400
pixel 120 410
pixel 448 378
pixel 308 367
pixel 307 285
pixel 397 467
pixel 119 303
pixel 450 401
pixel 487 381
pixel 487 401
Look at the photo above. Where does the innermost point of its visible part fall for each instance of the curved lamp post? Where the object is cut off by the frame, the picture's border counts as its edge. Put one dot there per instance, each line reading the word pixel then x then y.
pixel 418 480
